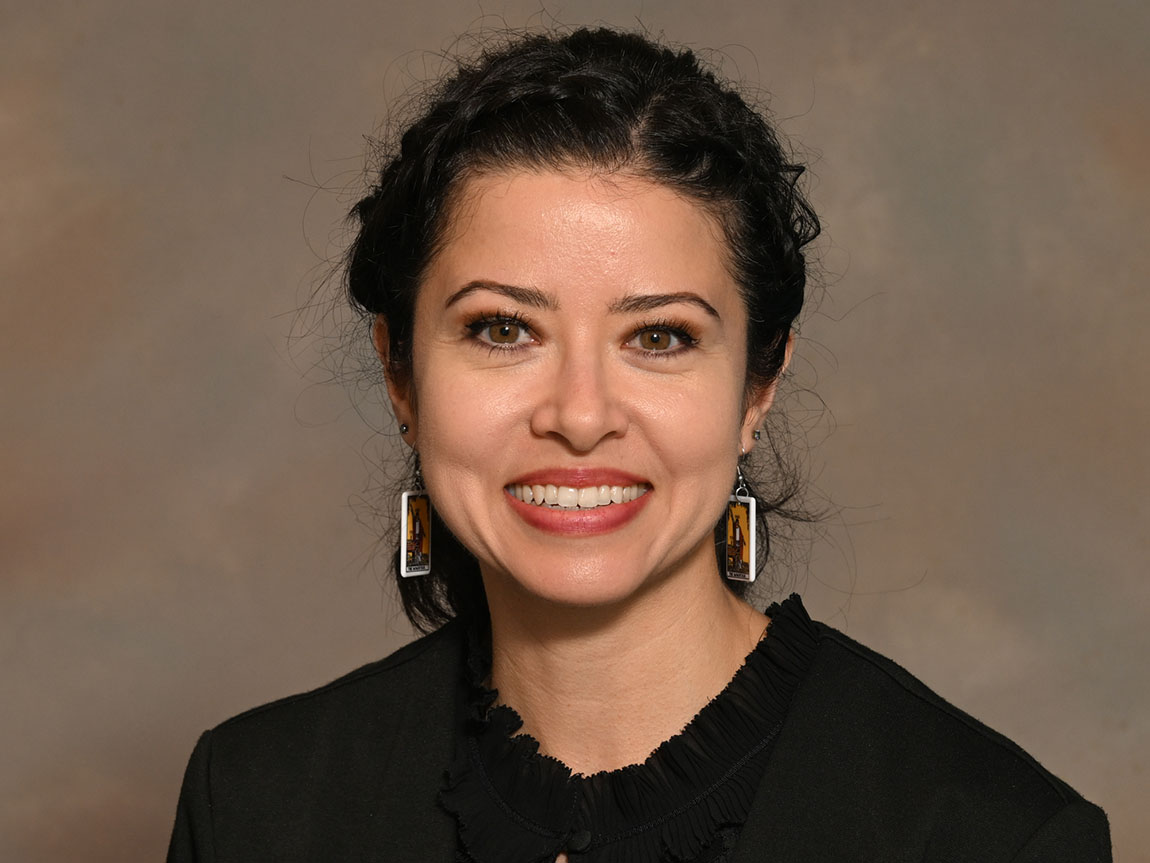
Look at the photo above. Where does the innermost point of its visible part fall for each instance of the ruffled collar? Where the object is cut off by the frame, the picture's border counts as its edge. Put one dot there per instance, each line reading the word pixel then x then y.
pixel 515 805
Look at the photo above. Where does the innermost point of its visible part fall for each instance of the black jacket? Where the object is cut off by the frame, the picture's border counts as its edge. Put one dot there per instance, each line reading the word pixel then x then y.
pixel 870 765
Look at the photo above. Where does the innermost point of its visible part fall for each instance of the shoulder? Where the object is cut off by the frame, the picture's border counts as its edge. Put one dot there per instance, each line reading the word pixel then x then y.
pixel 872 748
pixel 413 674
pixel 877 706
pixel 419 678
pixel 352 764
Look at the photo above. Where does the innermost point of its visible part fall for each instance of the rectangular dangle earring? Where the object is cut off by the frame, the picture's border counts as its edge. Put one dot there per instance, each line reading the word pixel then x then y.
pixel 741 524
pixel 415 531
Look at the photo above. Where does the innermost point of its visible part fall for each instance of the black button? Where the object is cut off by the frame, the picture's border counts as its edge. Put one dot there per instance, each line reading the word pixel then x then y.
pixel 580 841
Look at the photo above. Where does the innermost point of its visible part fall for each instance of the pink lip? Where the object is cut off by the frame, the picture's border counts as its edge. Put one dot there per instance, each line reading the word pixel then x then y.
pixel 579 477
pixel 578 522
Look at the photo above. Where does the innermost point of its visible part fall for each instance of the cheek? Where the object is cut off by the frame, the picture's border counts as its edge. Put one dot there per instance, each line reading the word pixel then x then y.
pixel 694 436
pixel 703 418
pixel 463 422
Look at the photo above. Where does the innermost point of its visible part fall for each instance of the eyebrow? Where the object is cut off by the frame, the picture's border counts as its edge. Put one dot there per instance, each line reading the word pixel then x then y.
pixel 518 293
pixel 647 302
pixel 541 300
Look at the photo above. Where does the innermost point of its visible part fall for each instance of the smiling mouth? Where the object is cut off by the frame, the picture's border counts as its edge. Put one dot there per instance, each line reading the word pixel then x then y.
pixel 569 497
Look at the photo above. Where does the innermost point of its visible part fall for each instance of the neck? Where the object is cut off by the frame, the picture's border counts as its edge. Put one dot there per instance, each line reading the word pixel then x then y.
pixel 602 687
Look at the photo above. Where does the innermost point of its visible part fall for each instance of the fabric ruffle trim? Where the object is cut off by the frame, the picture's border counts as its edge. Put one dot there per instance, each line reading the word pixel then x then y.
pixel 516 805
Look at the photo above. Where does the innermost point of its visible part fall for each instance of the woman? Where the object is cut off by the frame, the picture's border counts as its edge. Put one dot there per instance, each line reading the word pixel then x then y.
pixel 582 269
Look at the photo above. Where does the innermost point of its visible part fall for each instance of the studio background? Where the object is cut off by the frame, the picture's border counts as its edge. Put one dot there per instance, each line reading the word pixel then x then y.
pixel 178 534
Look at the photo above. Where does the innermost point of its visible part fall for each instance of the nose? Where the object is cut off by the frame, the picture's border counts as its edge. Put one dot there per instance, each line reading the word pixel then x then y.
pixel 579 404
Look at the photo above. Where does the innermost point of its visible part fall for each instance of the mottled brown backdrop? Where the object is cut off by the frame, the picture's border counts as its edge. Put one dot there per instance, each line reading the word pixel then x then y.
pixel 178 534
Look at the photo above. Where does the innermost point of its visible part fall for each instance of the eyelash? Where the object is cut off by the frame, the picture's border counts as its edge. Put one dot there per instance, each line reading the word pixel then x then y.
pixel 483 322
pixel 679 329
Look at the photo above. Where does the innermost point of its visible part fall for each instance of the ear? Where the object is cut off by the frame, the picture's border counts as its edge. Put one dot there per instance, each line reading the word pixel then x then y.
pixel 761 402
pixel 399 391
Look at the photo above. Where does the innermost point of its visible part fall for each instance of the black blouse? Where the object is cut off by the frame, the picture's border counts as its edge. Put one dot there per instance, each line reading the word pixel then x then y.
pixel 686 802
pixel 868 765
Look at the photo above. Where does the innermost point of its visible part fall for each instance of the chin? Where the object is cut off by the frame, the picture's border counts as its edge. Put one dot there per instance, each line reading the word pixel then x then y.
pixel 579 583
pixel 576 583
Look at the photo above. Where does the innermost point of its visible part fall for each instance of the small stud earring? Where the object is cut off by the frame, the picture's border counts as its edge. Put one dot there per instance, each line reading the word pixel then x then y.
pixel 403 428
pixel 757 434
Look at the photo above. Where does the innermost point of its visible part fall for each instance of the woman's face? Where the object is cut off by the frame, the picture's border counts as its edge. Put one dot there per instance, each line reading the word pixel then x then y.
pixel 579 339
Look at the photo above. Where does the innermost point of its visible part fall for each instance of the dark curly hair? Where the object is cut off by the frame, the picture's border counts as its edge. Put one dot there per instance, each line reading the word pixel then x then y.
pixel 599 99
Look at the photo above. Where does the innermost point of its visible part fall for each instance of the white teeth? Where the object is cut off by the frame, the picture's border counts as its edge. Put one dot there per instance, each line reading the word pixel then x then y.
pixel 569 497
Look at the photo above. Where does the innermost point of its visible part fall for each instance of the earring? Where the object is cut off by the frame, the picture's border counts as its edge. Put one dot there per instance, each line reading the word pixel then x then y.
pixel 741 531
pixel 415 530
pixel 403 428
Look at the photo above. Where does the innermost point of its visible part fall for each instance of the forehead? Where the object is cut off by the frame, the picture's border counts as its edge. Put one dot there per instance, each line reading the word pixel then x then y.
pixel 579 233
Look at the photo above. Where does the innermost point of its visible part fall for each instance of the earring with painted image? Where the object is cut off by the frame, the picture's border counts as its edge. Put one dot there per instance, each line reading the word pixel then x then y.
pixel 740 535
pixel 415 530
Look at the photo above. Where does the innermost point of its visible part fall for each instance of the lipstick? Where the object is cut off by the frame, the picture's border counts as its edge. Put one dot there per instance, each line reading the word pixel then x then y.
pixel 578 501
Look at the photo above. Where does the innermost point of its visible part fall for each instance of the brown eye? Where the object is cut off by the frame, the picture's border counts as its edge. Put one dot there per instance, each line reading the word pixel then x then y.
pixel 504 333
pixel 656 340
